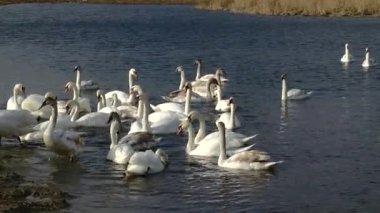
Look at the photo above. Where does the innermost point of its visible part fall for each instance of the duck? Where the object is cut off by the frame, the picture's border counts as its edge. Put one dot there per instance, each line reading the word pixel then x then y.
pixel 84 103
pixel 206 77
pixel 229 118
pixel 205 149
pixel 292 94
pixel 61 142
pixel 147 162
pixel 85 84
pixel 14 102
pixel 245 160
pixel 368 61
pixel 347 57
pixel 121 95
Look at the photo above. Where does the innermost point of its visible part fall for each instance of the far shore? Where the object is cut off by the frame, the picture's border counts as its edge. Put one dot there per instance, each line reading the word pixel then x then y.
pixel 351 8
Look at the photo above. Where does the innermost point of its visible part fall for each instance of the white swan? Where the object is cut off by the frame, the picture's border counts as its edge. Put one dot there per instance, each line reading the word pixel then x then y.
pixel 347 57
pixel 229 118
pixel 92 119
pixel 65 143
pixel 15 123
pixel 84 85
pixel 84 103
pixel 206 77
pixel 206 149
pixel 235 140
pixel 368 61
pixel 121 95
pixel 246 160
pixel 119 153
pixel 14 102
pixel 222 105
pixel 33 102
pixel 148 162
pixel 292 94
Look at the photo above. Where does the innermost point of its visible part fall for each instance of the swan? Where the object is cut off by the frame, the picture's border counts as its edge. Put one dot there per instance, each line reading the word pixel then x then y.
pixel 119 153
pixel 229 118
pixel 84 85
pixel 206 149
pixel 65 143
pixel 148 162
pixel 123 96
pixel 347 57
pixel 14 102
pixel 32 103
pixel 246 160
pixel 159 122
pixel 138 140
pixel 84 103
pixel 15 123
pixel 235 140
pixel 292 94
pixel 92 119
pixel 206 77
pixel 368 61
pixel 222 105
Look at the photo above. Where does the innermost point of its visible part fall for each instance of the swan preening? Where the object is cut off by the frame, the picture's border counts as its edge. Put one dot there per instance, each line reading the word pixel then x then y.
pixel 347 57
pixel 292 94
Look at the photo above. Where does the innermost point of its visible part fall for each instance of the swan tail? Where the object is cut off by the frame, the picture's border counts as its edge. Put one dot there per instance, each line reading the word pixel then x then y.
pixel 246 139
pixel 264 165
pixel 154 108
pixel 165 98
pixel 246 148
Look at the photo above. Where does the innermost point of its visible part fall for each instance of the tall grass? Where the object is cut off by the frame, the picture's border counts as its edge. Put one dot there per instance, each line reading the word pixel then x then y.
pixel 297 7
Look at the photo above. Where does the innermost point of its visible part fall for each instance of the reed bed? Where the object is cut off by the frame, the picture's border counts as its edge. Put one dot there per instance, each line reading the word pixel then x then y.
pixel 297 7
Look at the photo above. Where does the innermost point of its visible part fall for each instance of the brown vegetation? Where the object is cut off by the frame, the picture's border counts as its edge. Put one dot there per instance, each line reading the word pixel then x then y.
pixel 297 7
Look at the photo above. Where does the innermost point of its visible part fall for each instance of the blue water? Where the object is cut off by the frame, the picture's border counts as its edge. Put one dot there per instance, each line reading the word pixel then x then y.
pixel 330 142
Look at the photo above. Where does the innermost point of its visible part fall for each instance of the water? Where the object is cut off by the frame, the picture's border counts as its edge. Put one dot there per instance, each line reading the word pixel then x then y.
pixel 330 143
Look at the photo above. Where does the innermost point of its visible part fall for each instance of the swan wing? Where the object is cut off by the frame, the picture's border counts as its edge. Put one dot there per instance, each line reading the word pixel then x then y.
pixel 298 94
pixel 93 119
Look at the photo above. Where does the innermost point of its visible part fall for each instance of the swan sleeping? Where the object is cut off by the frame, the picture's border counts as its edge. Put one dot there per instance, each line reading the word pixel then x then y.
pixel 65 143
pixel 84 85
pixel 368 61
pixel 206 149
pixel 292 94
pixel 246 160
pixel 206 77
pixel 121 95
pixel 15 123
pixel 148 162
pixel 347 57
pixel 15 101
pixel 229 118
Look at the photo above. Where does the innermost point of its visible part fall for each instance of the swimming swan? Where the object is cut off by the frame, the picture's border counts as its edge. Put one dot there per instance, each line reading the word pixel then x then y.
pixel 229 118
pixel 84 103
pixel 368 61
pixel 292 94
pixel 347 57
pixel 15 101
pixel 206 77
pixel 246 160
pixel 84 85
pixel 65 143
pixel 121 95
pixel 148 162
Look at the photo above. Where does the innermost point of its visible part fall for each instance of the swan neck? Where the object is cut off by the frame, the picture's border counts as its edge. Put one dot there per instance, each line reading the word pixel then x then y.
pixel 202 130
pixel 198 76
pixel 75 93
pixel 209 96
pixel 232 118
pixel 75 113
pixel 347 51
pixel 284 90
pixel 131 97
pixel 190 142
pixel 140 109
pixel 15 101
pixel 78 79
pixel 187 101
pixel 145 118
pixel 183 80
pixel 113 133
pixel 53 119
pixel 367 56
pixel 130 81
pixel 219 91
pixel 222 152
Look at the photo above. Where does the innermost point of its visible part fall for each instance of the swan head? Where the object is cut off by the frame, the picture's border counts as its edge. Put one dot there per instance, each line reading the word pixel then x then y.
pixel 50 99
pixel 77 68
pixel 70 104
pixel 99 94
pixel 220 72
pixel 133 73
pixel 230 101
pixel 19 89
pixel 346 45
pixel 198 61
pixel 194 115
pixel 220 125
pixel 367 50
pixel 69 86
pixel 183 125
pixel 162 156
pixel 114 116
pixel 179 69
pixel 188 85
pixel 284 76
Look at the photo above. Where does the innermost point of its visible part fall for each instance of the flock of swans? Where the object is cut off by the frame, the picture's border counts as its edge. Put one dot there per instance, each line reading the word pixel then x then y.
pixel 46 118
pixel 348 58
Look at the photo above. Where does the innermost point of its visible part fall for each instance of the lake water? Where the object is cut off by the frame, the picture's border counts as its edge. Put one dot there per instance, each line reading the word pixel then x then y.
pixel 330 143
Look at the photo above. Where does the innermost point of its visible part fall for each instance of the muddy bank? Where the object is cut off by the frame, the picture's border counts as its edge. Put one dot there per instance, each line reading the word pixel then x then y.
pixel 19 195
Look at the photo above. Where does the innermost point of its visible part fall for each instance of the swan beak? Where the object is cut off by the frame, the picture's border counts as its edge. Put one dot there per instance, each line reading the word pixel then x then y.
pixel 66 89
pixel 98 98
pixel 23 90
pixel 68 109
pixel 43 104
pixel 180 130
